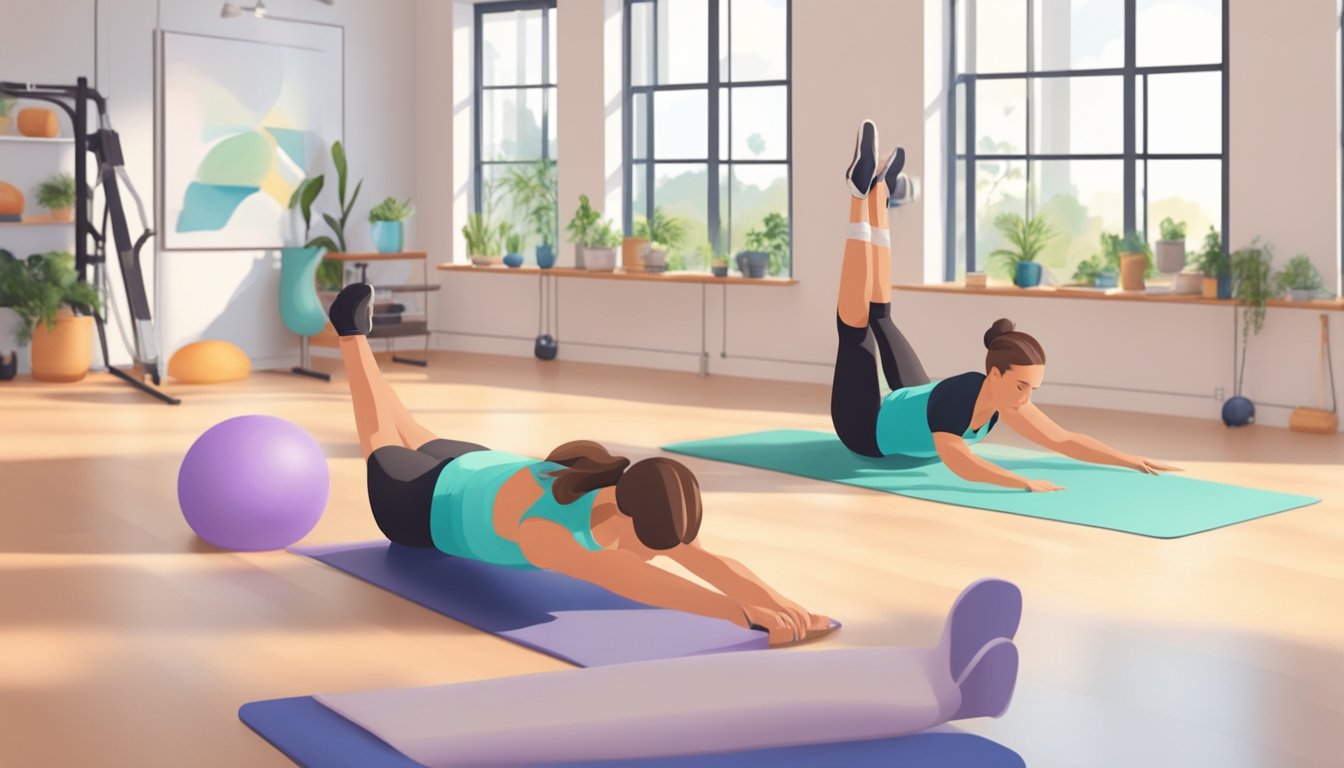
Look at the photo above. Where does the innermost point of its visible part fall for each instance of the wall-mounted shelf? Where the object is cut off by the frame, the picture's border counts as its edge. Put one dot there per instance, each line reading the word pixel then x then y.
pixel 37 221
pixel 38 140
pixel 1069 292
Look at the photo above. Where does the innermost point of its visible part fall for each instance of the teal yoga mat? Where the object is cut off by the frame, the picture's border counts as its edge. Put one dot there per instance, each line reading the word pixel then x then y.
pixel 1163 506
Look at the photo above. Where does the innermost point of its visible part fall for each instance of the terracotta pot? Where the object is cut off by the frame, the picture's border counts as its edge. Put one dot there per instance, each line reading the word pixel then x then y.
pixel 1132 268
pixel 633 250
pixel 63 214
pixel 65 352
pixel 1210 288
pixel 39 123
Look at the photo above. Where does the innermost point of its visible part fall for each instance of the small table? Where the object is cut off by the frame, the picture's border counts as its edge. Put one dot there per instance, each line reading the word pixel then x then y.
pixel 702 279
pixel 391 330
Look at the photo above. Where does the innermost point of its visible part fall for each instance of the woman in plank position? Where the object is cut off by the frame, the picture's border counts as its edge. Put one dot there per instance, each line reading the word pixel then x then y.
pixel 582 511
pixel 921 418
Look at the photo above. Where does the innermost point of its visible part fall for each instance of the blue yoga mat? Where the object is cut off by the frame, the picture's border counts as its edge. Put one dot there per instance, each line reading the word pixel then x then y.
pixel 316 737
pixel 1163 506
pixel 567 618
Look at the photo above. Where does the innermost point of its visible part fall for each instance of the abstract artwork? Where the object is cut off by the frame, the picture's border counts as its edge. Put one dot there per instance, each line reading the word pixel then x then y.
pixel 244 122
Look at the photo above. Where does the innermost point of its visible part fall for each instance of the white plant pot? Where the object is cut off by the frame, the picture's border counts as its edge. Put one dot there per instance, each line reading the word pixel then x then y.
pixel 599 259
pixel 1302 294
pixel 578 256
pixel 1170 256
pixel 1188 282
pixel 655 259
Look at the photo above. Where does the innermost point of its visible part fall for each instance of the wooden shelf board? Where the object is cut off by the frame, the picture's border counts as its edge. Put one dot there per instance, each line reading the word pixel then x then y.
pixel 37 221
pixel 403 255
pixel 1110 294
pixel 688 278
pixel 38 140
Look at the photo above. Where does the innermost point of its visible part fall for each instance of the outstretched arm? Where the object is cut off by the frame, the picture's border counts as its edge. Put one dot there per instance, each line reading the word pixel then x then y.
pixel 737 581
pixel 1032 423
pixel 550 546
pixel 958 457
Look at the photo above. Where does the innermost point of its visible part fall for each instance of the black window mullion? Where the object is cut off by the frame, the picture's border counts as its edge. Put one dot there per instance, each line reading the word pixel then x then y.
pixel 1027 84
pixel 970 176
pixel 545 77
pixel 1130 165
pixel 649 152
pixel 950 137
pixel 627 124
pixel 712 124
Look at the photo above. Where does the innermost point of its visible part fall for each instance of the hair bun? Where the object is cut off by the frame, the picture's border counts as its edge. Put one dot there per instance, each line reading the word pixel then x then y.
pixel 1001 326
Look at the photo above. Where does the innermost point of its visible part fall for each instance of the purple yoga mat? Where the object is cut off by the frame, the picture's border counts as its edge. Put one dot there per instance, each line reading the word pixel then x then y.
pixel 316 737
pixel 546 611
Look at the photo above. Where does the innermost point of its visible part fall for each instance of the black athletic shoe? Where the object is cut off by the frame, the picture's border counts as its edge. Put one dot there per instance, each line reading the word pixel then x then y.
pixel 860 172
pixel 890 170
pixel 352 312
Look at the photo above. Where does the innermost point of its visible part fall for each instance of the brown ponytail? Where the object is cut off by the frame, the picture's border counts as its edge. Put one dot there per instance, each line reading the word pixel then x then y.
pixel 589 467
pixel 1008 347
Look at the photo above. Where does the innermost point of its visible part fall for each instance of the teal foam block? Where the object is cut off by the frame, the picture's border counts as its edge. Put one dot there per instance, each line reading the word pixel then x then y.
pixel 1164 506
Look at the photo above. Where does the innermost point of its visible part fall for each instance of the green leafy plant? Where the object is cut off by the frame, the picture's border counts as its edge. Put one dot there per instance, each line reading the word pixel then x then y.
pixel 1104 261
pixel 1172 230
pixel 37 288
pixel 1299 274
pixel 1134 242
pixel 773 238
pixel 1028 237
pixel 513 242
pixel 337 225
pixel 1211 260
pixel 533 189
pixel 585 220
pixel 56 192
pixel 603 235
pixel 1252 287
pixel 392 209
pixel 480 235
pixel 664 231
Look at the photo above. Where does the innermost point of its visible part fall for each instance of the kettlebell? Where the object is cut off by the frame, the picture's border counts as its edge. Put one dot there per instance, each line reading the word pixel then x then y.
pixel 9 368
pixel 546 347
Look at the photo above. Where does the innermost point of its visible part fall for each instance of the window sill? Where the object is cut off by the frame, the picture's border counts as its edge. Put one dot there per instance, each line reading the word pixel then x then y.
pixel 692 278
pixel 1108 294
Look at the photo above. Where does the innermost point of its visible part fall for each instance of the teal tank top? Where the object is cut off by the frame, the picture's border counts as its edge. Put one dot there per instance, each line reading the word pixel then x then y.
pixel 462 516
pixel 903 427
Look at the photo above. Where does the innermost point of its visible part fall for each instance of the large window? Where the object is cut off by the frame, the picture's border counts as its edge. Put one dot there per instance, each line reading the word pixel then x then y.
pixel 1102 117
pixel 707 125
pixel 515 146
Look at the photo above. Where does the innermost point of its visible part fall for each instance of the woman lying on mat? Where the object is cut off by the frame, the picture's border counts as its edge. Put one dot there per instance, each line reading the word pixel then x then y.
pixel 921 418
pixel 582 511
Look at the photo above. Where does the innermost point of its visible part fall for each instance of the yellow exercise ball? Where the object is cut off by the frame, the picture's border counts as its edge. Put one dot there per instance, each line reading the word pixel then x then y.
pixel 209 362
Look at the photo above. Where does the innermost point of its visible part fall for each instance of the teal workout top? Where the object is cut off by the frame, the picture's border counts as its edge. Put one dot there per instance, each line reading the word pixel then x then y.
pixel 462 517
pixel 909 416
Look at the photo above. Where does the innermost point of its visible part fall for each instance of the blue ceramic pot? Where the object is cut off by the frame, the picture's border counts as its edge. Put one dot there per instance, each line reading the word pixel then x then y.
pixel 545 256
pixel 513 260
pixel 1108 280
pixel 1028 274
pixel 387 236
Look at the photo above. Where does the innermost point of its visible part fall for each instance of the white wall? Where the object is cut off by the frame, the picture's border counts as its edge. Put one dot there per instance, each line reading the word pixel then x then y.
pixel 1168 359
pixel 230 295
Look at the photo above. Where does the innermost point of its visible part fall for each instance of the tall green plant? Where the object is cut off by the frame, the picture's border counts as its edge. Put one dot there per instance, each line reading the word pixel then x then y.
pixel 664 229
pixel 1028 238
pixel 1252 287
pixel 534 192
pixel 480 235
pixel 773 238
pixel 337 225
pixel 1212 261
pixel 37 288
pixel 585 219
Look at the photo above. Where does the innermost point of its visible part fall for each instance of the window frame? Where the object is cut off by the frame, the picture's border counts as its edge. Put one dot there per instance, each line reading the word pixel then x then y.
pixel 718 157
pixel 479 163
pixel 1130 157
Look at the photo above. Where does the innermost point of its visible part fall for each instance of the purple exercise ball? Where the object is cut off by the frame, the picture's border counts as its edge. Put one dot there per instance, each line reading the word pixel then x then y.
pixel 253 483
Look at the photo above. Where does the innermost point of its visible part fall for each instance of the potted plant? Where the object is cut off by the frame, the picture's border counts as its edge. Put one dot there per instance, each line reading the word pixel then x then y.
pixel 1216 266
pixel 1028 238
pixel 482 246
pixel 767 248
pixel 1252 287
pixel 664 233
pixel 329 273
pixel 580 228
pixel 1100 268
pixel 533 190
pixel 6 112
pixel 57 194
pixel 1299 278
pixel 1136 261
pixel 600 254
pixel 513 250
pixel 55 312
pixel 719 266
pixel 386 224
pixel 1170 249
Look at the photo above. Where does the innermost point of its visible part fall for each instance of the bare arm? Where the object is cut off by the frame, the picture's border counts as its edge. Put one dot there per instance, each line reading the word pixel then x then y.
pixel 737 581
pixel 963 462
pixel 1032 423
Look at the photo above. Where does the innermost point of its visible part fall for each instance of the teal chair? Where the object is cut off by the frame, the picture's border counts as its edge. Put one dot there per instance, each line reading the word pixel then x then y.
pixel 300 309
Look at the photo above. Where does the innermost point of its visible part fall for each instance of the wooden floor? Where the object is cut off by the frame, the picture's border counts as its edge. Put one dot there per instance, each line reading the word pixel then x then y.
pixel 126 641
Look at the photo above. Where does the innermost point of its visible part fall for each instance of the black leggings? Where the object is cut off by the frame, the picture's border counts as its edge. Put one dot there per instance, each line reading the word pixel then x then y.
pixel 401 487
pixel 855 397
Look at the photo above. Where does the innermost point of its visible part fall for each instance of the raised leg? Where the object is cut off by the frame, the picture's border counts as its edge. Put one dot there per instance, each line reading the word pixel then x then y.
pixel 985 610
pixel 900 365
